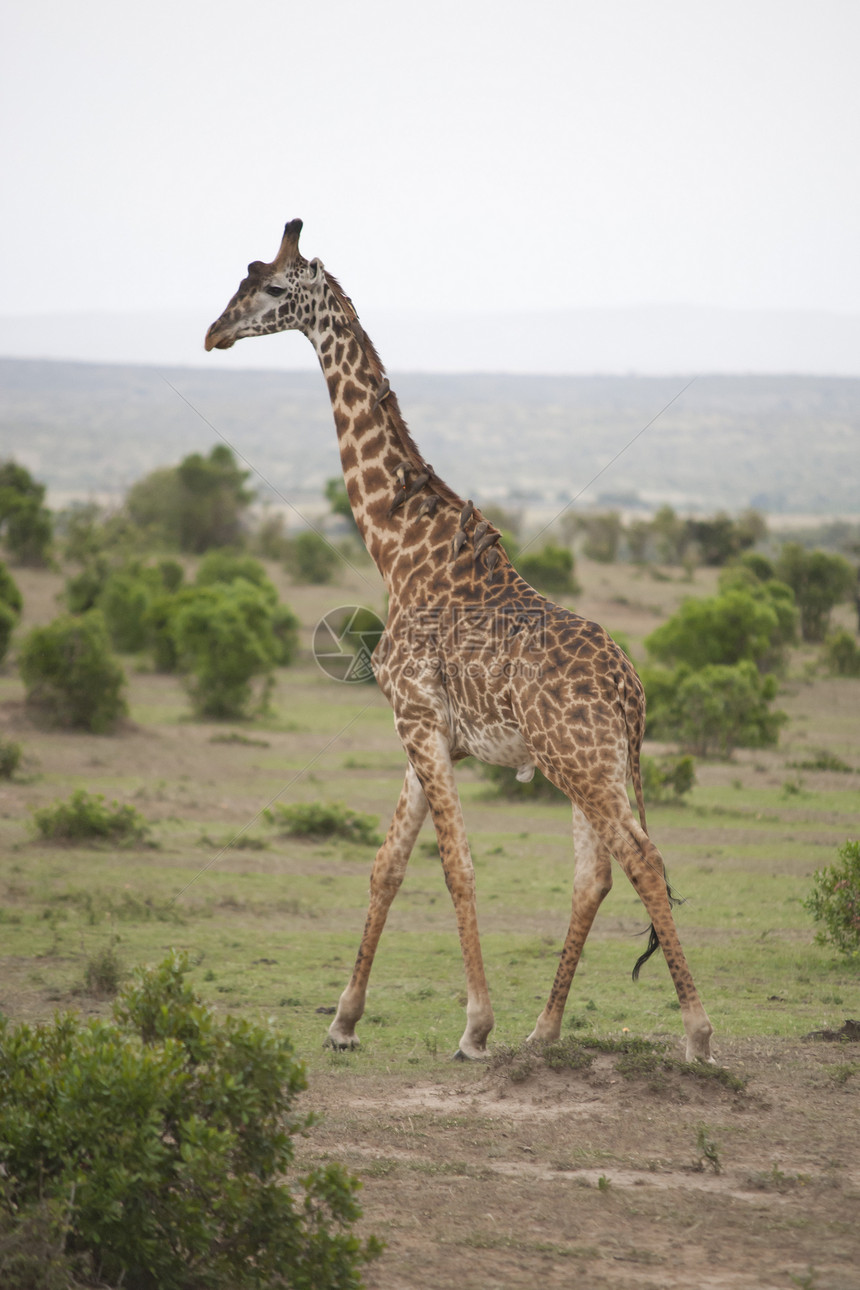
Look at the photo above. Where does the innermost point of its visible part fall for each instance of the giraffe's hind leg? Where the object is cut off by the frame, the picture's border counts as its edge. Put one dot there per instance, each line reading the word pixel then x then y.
pixel 385 879
pixel 592 881
pixel 612 819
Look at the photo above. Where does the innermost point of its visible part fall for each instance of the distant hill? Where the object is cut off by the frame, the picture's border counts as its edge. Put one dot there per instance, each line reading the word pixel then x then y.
pixel 784 444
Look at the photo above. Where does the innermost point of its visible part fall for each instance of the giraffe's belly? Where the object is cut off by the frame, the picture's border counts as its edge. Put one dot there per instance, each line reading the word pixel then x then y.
pixel 497 743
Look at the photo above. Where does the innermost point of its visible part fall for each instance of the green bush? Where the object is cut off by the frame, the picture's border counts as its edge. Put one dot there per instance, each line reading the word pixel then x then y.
pixel 199 504
pixel 221 567
pixel 70 676
pixel 162 1140
pixel 10 758
pixel 225 638
pixel 86 818
pixel 842 654
pixel 667 779
pixel 714 710
pixel 312 558
pixel 10 593
pixel 11 604
pixel 738 624
pixel 550 569
pixel 8 623
pixel 835 902
pixel 819 581
pixel 324 820
pixel 26 526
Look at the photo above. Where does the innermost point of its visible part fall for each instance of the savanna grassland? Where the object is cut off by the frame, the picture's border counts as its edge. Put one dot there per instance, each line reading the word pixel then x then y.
pixel 618 1169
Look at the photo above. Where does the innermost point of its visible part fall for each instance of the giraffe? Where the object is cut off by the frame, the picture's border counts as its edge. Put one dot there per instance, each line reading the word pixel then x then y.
pixel 474 662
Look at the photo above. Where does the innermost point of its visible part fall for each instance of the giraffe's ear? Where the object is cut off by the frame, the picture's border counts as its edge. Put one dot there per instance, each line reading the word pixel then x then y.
pixel 315 269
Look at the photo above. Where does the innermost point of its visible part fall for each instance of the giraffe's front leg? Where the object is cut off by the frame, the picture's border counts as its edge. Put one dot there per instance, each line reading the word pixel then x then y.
pixel 385 879
pixel 429 752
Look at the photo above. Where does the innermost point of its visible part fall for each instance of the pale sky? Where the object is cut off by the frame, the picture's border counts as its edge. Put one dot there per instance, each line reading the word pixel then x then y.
pixel 464 156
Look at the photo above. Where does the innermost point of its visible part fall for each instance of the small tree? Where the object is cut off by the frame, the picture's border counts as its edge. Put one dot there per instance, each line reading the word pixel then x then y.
pixel 312 558
pixel 820 581
pixel 835 902
pixel 163 1142
pixel 842 654
pixel 728 628
pixel 199 504
pixel 225 638
pixel 70 675
pixel 550 569
pixel 713 710
pixel 26 526
pixel 11 604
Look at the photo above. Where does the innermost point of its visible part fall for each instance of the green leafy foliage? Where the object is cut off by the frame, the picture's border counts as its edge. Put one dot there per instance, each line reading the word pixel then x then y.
pixel 85 817
pixel 164 1141
pixel 11 604
pixel 740 623
pixel 835 902
pixel 70 676
pixel 199 504
pixel 324 820
pixel 26 526
pixel 225 638
pixel 667 779
pixel 312 559
pixel 842 654
pixel 549 570
pixel 714 710
pixel 11 754
pixel 819 580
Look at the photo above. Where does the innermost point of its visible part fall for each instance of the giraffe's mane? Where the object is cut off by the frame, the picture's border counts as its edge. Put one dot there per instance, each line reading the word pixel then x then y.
pixel 410 448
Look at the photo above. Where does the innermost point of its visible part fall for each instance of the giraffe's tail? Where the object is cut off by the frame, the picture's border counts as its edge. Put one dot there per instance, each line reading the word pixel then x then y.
pixel 635 731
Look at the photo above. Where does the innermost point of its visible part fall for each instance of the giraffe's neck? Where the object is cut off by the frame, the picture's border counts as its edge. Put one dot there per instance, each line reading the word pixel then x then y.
pixel 380 461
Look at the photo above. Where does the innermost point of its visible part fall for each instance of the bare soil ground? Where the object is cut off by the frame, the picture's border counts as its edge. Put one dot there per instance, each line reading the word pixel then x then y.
pixel 595 1179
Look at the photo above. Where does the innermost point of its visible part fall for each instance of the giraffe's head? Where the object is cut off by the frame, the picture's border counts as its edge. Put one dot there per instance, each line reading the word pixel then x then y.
pixel 280 296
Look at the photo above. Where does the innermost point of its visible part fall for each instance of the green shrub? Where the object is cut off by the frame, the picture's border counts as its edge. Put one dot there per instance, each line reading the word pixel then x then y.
pixel 86 818
pixel 71 677
pixel 819 581
pixel 835 902
pixel 842 654
pixel 26 526
pixel 164 1139
pixel 10 593
pixel 8 623
pixel 225 639
pixel 312 558
pixel 738 624
pixel 550 569
pixel 667 779
pixel 714 710
pixel 11 604
pixel 225 566
pixel 104 973
pixel 10 758
pixel 324 820
pixel 124 601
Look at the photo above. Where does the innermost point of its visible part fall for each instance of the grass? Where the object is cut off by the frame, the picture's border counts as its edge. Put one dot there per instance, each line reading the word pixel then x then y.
pixel 275 931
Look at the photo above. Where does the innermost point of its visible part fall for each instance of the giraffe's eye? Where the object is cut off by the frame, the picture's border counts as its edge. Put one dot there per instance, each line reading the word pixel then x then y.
pixel 275 291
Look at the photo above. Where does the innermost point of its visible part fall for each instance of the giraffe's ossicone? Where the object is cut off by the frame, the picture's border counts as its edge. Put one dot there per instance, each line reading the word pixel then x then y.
pixel 473 661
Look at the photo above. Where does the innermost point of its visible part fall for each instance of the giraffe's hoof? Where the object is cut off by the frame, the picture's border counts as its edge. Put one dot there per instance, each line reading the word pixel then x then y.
pixel 342 1045
pixel 460 1056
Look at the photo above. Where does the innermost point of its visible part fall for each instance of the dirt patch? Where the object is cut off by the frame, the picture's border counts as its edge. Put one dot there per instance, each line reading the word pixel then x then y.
pixel 588 1177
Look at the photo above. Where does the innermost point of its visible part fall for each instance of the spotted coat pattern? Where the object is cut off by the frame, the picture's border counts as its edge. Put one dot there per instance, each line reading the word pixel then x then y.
pixel 473 661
